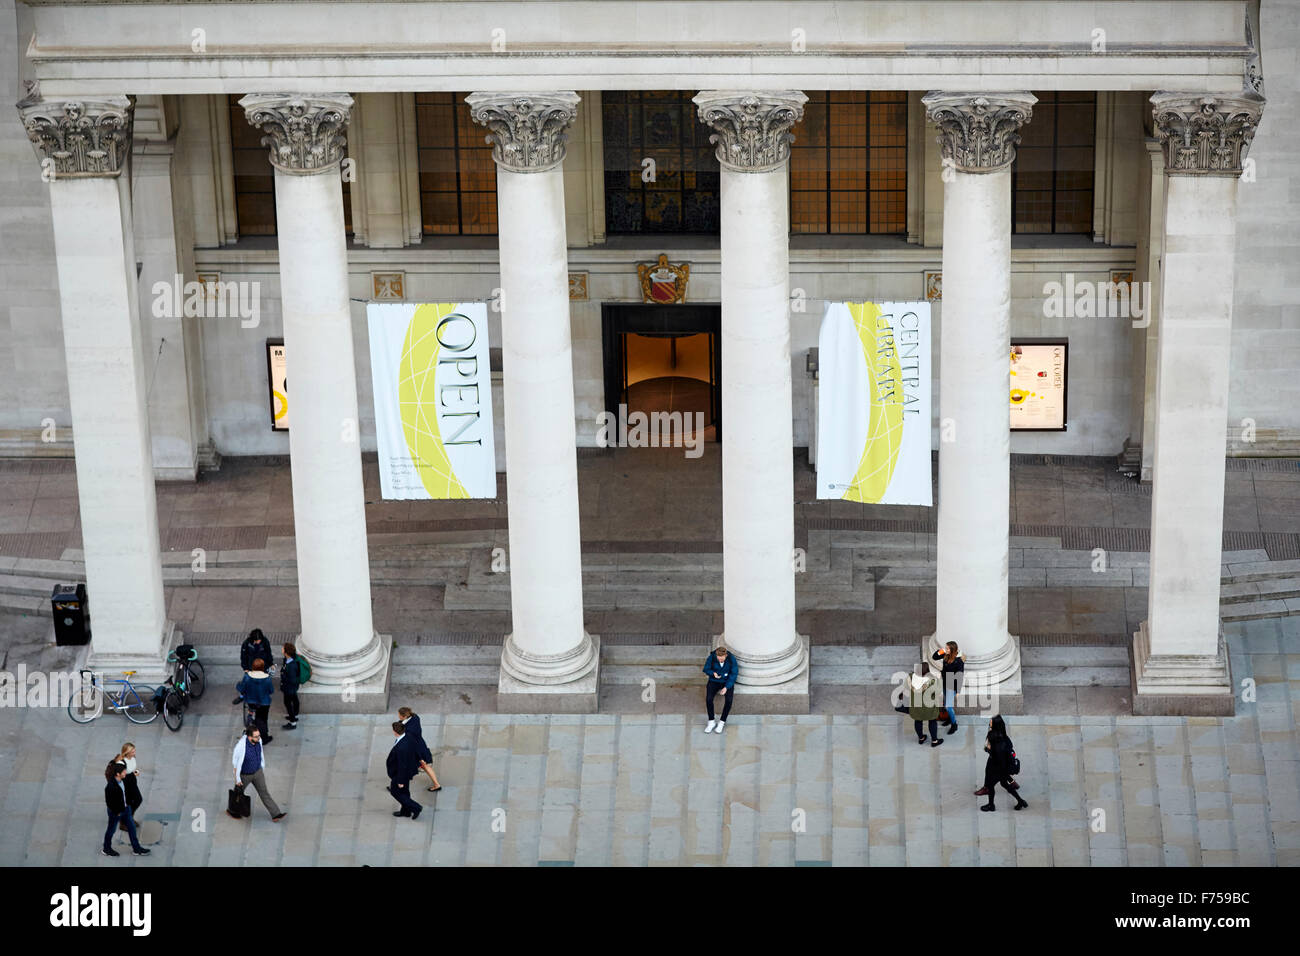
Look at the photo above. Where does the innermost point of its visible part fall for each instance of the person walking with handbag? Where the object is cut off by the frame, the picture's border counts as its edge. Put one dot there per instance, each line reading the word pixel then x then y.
pixel 1001 765
pixel 411 722
pixel 403 764
pixel 952 672
pixel 249 761
pixel 119 810
pixel 922 694
pixel 722 670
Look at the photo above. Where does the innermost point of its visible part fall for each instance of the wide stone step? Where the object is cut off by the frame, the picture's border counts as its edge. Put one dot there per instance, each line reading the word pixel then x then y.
pixel 1242 572
pixel 1266 589
pixel 1258 610
pixel 26 604
pixel 53 569
pixel 26 586
pixel 679 665
pixel 461 597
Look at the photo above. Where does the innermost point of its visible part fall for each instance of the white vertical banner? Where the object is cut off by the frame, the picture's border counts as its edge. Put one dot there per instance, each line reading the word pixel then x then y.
pixel 873 407
pixel 433 400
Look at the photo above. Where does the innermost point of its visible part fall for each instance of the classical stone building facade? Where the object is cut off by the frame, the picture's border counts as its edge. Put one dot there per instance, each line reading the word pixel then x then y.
pixel 146 119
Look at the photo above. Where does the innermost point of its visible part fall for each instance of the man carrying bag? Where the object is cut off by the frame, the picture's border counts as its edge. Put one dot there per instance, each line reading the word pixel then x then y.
pixel 250 766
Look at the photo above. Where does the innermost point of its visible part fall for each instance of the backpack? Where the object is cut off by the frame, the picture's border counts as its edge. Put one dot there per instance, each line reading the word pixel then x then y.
pixel 304 670
pixel 1013 762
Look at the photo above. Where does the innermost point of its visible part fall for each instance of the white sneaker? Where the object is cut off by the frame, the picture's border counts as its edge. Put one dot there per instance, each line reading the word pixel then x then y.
pixel 709 726
pixel 718 729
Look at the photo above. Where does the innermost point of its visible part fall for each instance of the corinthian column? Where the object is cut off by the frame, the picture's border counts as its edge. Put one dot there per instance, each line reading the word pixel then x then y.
pixel 977 138
pixel 350 662
pixel 549 663
pixel 1180 664
pixel 752 134
pixel 83 146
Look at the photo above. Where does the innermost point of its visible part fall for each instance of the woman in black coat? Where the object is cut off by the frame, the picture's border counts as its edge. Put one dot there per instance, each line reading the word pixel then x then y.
pixel 997 769
pixel 411 721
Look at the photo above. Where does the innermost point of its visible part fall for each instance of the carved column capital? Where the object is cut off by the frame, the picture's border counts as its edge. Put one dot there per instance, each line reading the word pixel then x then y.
pixel 79 138
pixel 751 129
pixel 306 132
pixel 1205 135
pixel 528 131
pixel 978 132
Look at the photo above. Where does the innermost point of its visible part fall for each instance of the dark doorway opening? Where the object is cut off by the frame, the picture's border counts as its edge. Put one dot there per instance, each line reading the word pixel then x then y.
pixel 665 358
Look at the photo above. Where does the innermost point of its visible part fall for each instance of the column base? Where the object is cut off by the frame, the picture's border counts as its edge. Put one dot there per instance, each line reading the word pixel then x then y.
pixel 772 684
pixel 330 693
pixel 580 695
pixel 1180 685
pixel 991 683
pixel 334 671
pixel 151 667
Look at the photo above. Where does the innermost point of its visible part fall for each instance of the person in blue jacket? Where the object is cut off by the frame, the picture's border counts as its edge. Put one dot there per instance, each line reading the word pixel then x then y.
pixel 256 688
pixel 722 670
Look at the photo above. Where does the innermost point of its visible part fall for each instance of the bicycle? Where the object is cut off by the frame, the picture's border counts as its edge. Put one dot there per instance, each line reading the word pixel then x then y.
pixel 186 683
pixel 88 701
pixel 188 677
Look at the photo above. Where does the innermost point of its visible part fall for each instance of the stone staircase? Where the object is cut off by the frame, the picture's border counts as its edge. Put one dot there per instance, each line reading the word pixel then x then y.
pixel 462 562
pixel 1259 589
pixel 842 572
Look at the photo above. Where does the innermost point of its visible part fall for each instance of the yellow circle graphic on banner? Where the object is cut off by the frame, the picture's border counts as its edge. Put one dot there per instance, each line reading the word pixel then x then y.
pixel 885 425
pixel 418 403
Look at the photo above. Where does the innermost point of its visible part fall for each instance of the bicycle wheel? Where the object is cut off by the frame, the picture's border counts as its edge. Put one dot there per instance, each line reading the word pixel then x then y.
pixel 86 704
pixel 136 710
pixel 173 711
pixel 196 682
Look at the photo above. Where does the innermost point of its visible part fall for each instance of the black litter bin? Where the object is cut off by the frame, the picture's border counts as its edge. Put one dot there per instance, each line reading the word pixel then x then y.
pixel 71 616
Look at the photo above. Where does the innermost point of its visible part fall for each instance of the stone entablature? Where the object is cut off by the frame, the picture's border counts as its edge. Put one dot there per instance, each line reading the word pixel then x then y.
pixel 79 138
pixel 449 45
pixel 305 133
pixel 1205 135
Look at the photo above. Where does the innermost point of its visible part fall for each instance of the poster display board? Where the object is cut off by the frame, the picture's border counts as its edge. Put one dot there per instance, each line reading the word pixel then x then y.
pixel 1039 375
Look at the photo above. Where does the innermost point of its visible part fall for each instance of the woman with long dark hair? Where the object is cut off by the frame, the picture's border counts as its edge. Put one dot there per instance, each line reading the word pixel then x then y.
pixel 952 670
pixel 1000 765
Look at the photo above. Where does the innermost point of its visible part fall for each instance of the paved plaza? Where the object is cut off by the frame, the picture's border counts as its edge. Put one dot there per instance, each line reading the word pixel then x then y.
pixel 651 788
pixel 639 783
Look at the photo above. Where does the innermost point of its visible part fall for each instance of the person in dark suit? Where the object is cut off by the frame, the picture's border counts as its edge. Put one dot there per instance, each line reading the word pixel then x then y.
pixel 403 764
pixel 411 721
pixel 118 810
